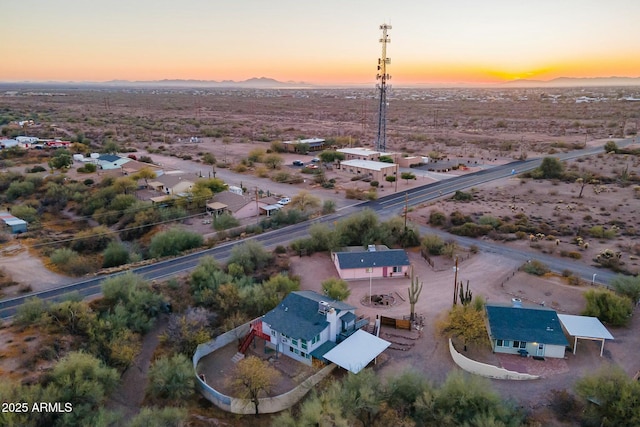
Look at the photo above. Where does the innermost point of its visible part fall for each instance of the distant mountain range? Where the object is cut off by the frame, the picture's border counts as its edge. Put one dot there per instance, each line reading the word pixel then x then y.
pixel 256 82
pixel 269 83
pixel 575 81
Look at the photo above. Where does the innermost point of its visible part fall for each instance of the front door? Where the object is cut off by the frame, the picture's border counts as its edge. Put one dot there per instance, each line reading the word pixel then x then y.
pixel 540 350
pixel 384 271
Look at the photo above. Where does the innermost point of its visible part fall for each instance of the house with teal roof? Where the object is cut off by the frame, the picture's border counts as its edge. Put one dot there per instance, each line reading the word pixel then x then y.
pixel 528 331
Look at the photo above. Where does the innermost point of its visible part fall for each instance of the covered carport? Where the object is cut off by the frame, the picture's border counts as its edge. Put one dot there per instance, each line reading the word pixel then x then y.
pixel 355 353
pixel 586 328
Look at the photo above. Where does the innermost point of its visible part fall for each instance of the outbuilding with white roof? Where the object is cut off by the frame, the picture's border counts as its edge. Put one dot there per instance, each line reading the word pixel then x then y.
pixel 584 327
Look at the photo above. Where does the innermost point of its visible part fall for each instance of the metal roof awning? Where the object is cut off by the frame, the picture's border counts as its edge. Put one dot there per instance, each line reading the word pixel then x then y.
pixel 584 327
pixel 355 353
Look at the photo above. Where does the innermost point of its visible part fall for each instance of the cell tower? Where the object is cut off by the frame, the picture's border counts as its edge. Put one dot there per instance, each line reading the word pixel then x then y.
pixel 383 76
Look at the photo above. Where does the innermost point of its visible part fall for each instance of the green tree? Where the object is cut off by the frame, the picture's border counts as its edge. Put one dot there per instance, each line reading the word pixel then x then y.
pixel 61 159
pixel 225 221
pixel 274 161
pixel 466 322
pixel 253 378
pixel 110 147
pixel 610 147
pixel 551 168
pixel 305 201
pixel 250 255
pixel 114 255
pixel 171 379
pixel 628 286
pixel 608 307
pixel 216 185
pixel 19 189
pixel 331 156
pixel 138 304
pixel 83 381
pixel 611 398
pixel 174 241
pixel 407 176
pixel 467 400
pixel 433 244
pixel 335 288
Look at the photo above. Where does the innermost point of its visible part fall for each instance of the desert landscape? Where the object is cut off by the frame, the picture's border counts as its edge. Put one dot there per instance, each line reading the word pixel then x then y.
pixel 594 209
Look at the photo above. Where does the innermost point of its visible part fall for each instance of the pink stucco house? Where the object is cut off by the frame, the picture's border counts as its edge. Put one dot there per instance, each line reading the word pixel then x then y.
pixel 377 261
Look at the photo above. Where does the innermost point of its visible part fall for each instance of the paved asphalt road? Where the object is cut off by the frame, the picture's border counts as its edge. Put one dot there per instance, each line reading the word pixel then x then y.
pixel 385 207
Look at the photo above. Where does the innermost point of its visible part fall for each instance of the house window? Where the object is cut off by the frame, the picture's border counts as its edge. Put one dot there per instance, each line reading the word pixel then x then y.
pixel 516 344
pixel 397 269
pixel 303 354
pixel 506 343
pixel 523 344
pixel 304 345
pixel 296 351
pixel 273 333
pixel 498 343
pixel 290 349
pixel 294 342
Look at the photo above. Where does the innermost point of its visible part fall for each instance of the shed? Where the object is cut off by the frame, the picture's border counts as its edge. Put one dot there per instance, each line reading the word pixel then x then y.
pixel 586 328
pixel 16 225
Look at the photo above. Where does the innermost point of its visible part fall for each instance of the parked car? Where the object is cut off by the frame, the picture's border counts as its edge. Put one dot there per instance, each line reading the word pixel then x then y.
pixel 284 201
pixel 298 163
pixel 315 160
pixel 312 166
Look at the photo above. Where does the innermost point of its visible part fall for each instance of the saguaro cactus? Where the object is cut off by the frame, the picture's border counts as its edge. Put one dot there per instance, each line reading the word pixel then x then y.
pixel 414 293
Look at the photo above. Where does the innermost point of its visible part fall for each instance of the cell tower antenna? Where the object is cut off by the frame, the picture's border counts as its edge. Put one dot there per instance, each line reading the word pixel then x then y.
pixel 382 77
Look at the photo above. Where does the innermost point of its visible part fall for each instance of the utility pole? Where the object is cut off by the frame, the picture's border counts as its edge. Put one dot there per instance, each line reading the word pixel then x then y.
pixel 455 283
pixel 383 76
pixel 406 209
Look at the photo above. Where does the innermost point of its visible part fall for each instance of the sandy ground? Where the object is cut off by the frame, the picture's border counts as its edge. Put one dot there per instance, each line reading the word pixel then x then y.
pixel 496 279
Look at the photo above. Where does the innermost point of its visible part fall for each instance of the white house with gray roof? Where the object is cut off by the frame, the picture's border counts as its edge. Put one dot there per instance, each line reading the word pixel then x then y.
pixel 306 325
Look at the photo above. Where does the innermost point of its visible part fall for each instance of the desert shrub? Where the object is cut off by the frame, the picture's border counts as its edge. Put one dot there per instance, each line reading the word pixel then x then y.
pixel 433 244
pixel 535 267
pixel 36 169
pixel 250 255
pixel 19 189
pixel 628 286
pixel 171 378
pixel 328 206
pixel 462 196
pixel 608 307
pixel 281 176
pixel 437 218
pixel 87 168
pixel 61 257
pixel 600 232
pixel 508 228
pixel 174 241
pixel 25 212
pixel 115 254
pixel 471 229
pixel 225 221
pixel 489 220
pixel 458 218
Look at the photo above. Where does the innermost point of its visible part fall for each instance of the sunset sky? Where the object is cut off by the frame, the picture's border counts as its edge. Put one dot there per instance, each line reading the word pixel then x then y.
pixel 322 42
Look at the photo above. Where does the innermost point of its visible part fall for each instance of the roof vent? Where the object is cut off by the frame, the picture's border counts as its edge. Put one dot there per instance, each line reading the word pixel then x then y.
pixel 516 302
